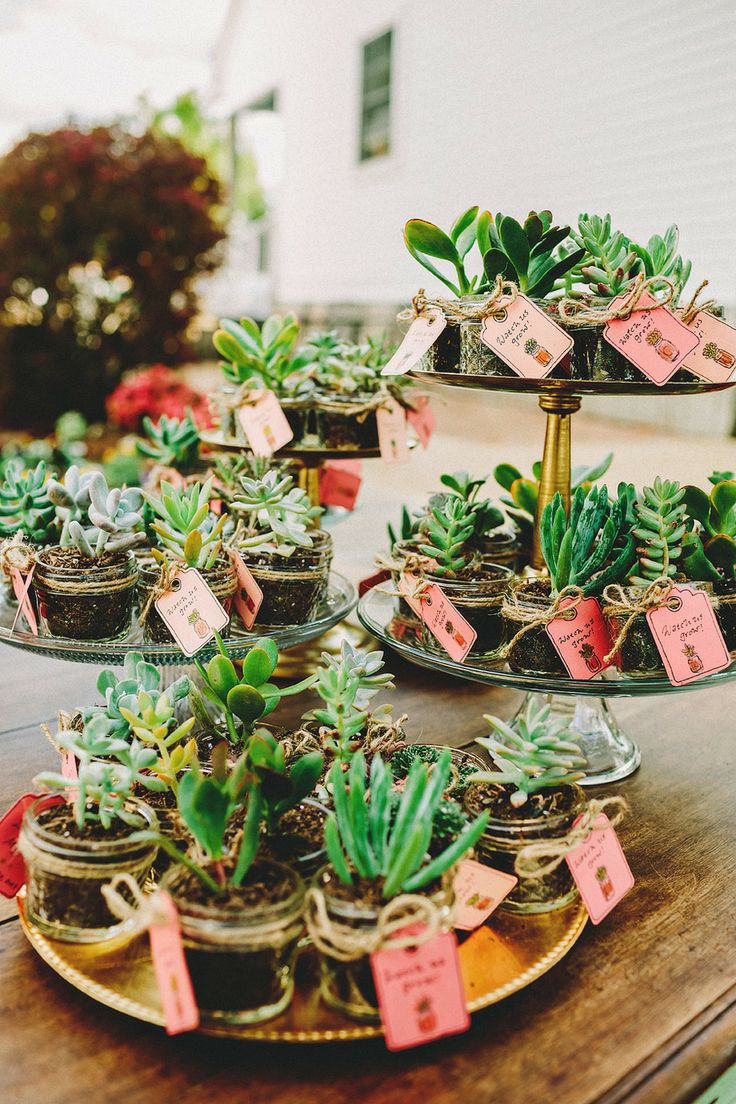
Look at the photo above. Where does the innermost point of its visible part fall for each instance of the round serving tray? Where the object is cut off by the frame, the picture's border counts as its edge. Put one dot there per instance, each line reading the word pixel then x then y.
pixel 216 440
pixel 119 974
pixel 570 386
pixel 338 603
pixel 377 613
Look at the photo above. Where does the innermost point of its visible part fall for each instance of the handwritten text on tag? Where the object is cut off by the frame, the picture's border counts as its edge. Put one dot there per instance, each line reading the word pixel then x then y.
pixel 391 422
pixel 191 611
pixel 420 336
pixel 170 967
pixel 478 891
pixel 581 639
pixel 688 636
pixel 654 340
pixel 447 625
pixel 264 423
pixel 525 338
pixel 420 992
pixel 600 870
pixel 714 358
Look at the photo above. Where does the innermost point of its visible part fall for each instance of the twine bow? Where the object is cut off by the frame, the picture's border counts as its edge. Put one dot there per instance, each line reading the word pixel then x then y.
pixel 162 585
pixel 456 311
pixel 534 618
pixel 346 943
pixel 145 909
pixel 528 862
pixel 579 313
pixel 65 722
pixel 657 594
pixel 693 309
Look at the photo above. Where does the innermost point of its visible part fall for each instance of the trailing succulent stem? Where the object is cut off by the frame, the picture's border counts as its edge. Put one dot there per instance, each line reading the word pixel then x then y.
pixel 661 525
pixel 582 550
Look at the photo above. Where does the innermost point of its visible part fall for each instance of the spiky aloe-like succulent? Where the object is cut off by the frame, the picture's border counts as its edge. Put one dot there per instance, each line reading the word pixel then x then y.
pixel 115 520
pixel 537 754
pixel 528 253
pixel 363 839
pixel 424 240
pixel 278 511
pixel 711 552
pixel 71 497
pixel 25 506
pixel 122 693
pixel 173 442
pixel 186 529
pixel 467 488
pixel 582 550
pixel 448 535
pixel 346 683
pixel 661 524
pixel 660 258
pixel 408 527
pixel 523 493
pixel 262 356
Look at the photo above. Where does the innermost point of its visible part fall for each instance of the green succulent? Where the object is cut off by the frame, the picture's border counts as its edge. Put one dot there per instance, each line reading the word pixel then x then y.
pixel 528 253
pixel 115 520
pixel 122 693
pixel 71 498
pixel 660 258
pixel 661 524
pixel 151 723
pixel 173 442
pixel 609 263
pixel 461 485
pixel 402 760
pixel 583 550
pixel 186 529
pixel 424 240
pixel 346 683
pixel 25 506
pixel 249 696
pixel 282 788
pixel 335 366
pixel 448 534
pixel 538 753
pixel 363 838
pixel 278 513
pixel 409 527
pixel 261 356
pixel 710 553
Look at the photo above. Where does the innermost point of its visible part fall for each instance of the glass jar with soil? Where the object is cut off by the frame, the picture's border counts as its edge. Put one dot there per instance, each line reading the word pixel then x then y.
pixel 294 585
pixel 546 816
pixel 477 593
pixel 299 838
pixel 478 359
pixel 503 546
pixel 725 607
pixel 348 986
pixel 444 354
pixel 220 578
pixel 83 599
pixel 594 358
pixel 67 867
pixel 240 947
pixel 534 652
pixel 409 559
pixel 354 427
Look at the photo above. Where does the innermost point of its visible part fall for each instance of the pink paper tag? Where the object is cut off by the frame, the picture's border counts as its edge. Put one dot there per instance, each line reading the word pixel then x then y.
pixel 478 891
pixel 688 636
pixel 715 357
pixel 170 967
pixel 448 626
pixel 339 483
pixel 69 766
pixel 407 585
pixel 600 870
pixel 420 992
pixel 12 867
pixel 248 596
pixel 21 587
pixel 264 423
pixel 420 336
pixel 654 340
pixel 525 338
pixel 391 422
pixel 191 611
pixel 582 639
pixel 422 420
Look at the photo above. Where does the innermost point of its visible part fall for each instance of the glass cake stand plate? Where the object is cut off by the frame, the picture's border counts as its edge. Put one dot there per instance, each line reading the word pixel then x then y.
pixel 216 440
pixel 512 952
pixel 519 384
pixel 611 754
pixel 340 600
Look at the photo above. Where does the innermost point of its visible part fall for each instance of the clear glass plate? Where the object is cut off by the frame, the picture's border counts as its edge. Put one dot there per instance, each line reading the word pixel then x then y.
pixel 340 600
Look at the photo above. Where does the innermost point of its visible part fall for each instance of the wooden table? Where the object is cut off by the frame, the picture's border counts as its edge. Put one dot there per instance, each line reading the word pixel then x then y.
pixel 643 1009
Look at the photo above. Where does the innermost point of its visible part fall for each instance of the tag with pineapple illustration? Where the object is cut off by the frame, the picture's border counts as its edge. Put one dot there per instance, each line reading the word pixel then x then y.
pixel 714 358
pixel 600 870
pixel 525 338
pixel 456 635
pixel 654 340
pixel 420 337
pixel 478 891
pixel 688 636
pixel 391 424
pixel 420 990
pixel 191 611
pixel 581 638
pixel 264 423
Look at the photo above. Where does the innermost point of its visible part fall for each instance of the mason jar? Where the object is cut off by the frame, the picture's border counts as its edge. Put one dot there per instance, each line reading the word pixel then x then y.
pixel 293 586
pixel 86 599
pixel 478 598
pixel 221 578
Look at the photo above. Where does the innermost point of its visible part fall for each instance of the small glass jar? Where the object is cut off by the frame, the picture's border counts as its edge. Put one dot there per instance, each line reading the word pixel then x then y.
pixel 594 358
pixel 241 959
pixel 90 602
pixel 338 430
pixel 725 609
pixel 534 652
pixel 349 986
pixel 293 586
pixel 504 838
pixel 221 579
pixel 65 875
pixel 502 547
pixel 478 598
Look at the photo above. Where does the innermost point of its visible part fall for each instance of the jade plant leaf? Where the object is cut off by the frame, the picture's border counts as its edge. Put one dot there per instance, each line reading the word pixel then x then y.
pixel 723 497
pixel 427 238
pixel 246 703
pixel 258 666
pixel 524 494
pixel 698 506
pixel 515 244
pixel 506 475
pixel 721 551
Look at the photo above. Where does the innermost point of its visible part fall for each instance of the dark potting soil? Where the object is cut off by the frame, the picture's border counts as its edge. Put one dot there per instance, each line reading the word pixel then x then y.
pixel 59 820
pixel 264 884
pixel 483 797
pixel 84 616
pixel 347 431
pixel 534 651
pixel 300 833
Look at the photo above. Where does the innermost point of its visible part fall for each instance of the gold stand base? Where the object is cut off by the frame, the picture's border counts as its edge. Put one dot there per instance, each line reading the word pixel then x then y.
pixel 555 474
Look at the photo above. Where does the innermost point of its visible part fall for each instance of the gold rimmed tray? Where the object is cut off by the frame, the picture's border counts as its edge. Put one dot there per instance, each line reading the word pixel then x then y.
pixel 514 952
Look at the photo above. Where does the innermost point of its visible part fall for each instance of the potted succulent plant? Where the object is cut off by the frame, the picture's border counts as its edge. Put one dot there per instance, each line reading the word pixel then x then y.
pixel 240 915
pixel 378 849
pixel 71 850
pixel 709 549
pixel 532 796
pixel 463 764
pixel 27 519
pixel 85 584
pixel 588 550
pixel 188 534
pixel 289 560
pixel 171 443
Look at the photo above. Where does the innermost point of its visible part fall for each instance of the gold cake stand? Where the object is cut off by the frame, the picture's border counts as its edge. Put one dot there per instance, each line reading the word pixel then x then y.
pixel 511 953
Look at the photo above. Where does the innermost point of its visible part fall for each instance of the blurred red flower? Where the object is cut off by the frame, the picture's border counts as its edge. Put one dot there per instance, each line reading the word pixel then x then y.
pixel 155 391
